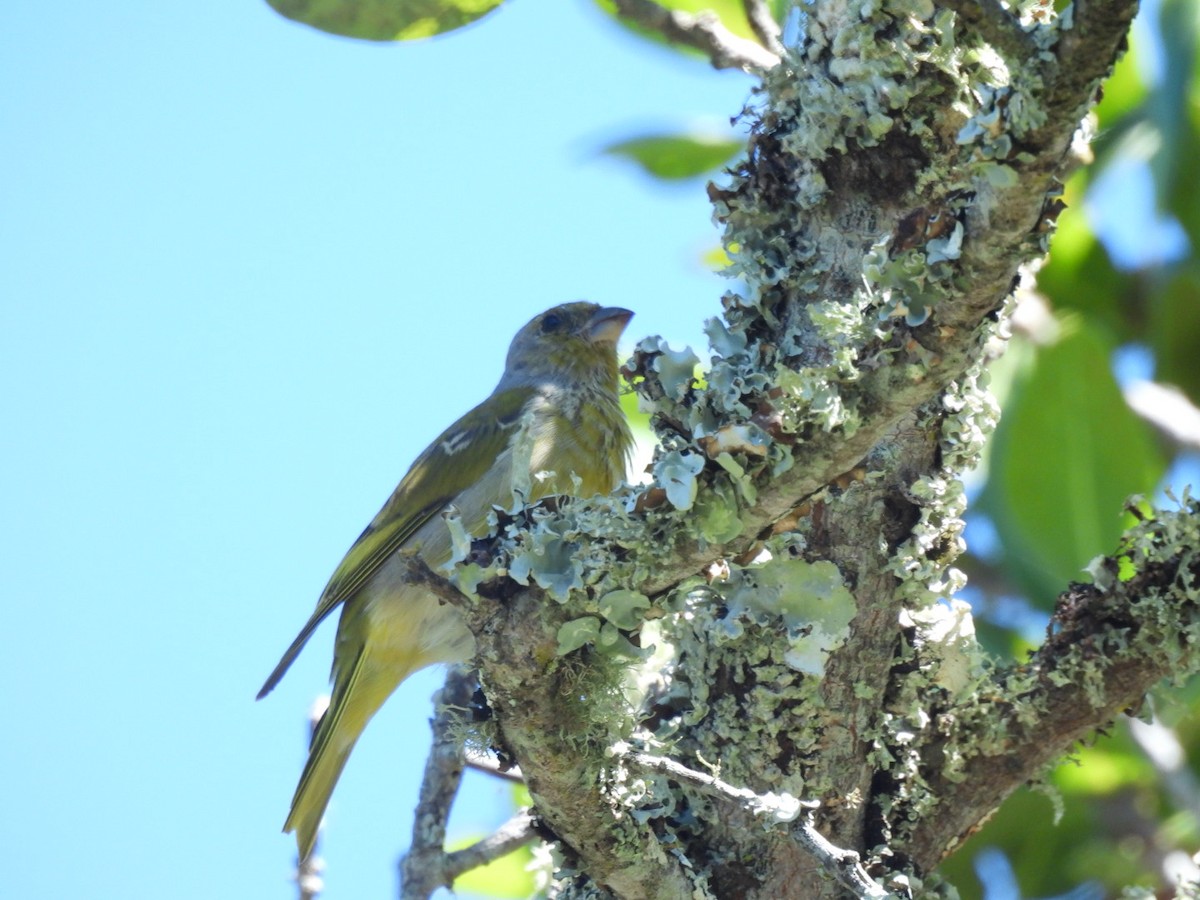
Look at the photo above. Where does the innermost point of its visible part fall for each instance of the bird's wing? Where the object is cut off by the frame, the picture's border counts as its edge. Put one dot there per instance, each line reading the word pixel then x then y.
pixel 458 458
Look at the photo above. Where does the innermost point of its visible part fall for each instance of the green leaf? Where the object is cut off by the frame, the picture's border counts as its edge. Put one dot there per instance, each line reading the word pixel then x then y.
pixel 385 20
pixel 1080 274
pixel 1048 860
pixel 673 157
pixel 1124 90
pixel 1067 454
pixel 1115 765
pixel 1175 330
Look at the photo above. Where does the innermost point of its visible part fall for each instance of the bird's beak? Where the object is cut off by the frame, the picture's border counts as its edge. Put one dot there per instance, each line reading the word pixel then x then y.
pixel 606 324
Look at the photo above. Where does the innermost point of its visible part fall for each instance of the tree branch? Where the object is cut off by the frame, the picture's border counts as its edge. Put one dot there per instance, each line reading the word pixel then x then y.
pixel 1106 646
pixel 702 31
pixel 844 865
pixel 1162 746
pixel 418 573
pixel 1168 410
pixel 1089 43
pixel 782 807
pixel 489 765
pixel 764 26
pixel 537 714
pixel 512 835
pixel 425 867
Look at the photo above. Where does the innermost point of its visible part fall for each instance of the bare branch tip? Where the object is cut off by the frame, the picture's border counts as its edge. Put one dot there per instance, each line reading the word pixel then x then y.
pixel 701 31
pixel 764 26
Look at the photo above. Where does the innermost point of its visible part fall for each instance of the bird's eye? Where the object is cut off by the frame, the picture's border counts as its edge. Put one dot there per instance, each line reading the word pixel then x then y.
pixel 551 323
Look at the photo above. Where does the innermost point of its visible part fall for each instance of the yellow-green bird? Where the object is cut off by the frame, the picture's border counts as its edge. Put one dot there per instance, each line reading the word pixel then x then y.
pixel 553 425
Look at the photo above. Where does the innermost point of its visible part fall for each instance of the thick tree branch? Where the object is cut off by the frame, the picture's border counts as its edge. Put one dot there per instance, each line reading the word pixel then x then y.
pixel 1095 36
pixel 1004 227
pixel 535 706
pixel 1106 646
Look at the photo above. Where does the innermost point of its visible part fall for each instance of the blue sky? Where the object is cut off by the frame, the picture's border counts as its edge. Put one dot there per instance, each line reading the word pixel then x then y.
pixel 247 271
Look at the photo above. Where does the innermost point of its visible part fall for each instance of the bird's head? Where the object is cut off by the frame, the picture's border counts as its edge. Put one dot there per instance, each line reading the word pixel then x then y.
pixel 568 345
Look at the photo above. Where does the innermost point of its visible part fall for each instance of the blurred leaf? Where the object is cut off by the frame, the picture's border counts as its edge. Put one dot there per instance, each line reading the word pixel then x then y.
pixel 672 157
pixel 1125 89
pixel 1092 286
pixel 1067 454
pixel 732 14
pixel 1175 331
pixel 521 798
pixel 1079 274
pixel 385 20
pixel 1167 105
pixel 1182 196
pixel 1047 860
pixel 504 877
pixel 1115 765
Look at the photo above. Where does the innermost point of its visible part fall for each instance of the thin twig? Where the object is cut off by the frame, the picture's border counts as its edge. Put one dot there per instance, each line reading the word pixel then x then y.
pixel 417 572
pixel 996 25
pixel 423 869
pixel 764 26
pixel 703 31
pixel 489 765
pixel 783 806
pixel 844 865
pixel 516 832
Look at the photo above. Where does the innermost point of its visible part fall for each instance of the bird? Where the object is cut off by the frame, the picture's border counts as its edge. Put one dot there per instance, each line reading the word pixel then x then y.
pixel 552 426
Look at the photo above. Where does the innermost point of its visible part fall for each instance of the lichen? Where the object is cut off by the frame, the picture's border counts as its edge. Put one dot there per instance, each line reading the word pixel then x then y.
pixel 810 599
pixel 676 473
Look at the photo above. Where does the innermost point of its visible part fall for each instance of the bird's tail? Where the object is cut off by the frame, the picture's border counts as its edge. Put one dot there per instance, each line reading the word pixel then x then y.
pixel 355 700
